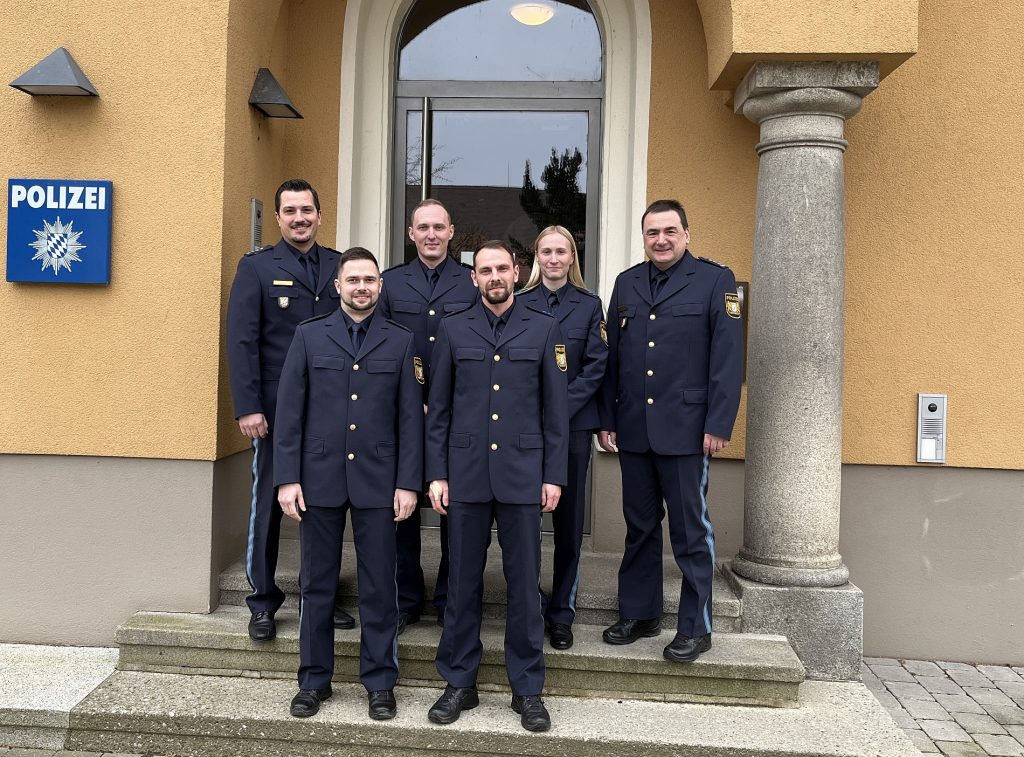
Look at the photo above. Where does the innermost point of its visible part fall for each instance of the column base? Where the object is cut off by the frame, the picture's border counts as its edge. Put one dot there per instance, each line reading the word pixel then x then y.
pixel 779 575
pixel 825 625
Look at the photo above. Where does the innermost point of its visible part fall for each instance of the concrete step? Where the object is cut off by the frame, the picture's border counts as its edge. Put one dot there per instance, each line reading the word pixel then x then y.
pixel 739 669
pixel 209 716
pixel 596 599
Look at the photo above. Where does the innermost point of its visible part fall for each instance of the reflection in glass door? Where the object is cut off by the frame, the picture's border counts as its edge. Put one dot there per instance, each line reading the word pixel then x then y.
pixel 502 173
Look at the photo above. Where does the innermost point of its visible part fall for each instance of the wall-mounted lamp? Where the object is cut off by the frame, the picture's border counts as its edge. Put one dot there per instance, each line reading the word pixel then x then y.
pixel 532 14
pixel 269 98
pixel 56 74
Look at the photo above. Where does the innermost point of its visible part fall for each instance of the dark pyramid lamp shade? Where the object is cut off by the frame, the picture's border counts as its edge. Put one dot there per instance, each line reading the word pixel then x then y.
pixel 269 98
pixel 56 74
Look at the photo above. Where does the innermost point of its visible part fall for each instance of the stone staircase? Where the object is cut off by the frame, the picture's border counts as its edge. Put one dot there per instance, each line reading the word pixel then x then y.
pixel 196 684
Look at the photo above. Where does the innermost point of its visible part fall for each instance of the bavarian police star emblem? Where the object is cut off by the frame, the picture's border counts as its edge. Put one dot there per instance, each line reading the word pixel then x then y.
pixel 732 305
pixel 57 245
pixel 417 367
pixel 560 357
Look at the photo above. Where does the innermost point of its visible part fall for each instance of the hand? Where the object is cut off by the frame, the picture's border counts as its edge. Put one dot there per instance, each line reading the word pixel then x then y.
pixel 713 444
pixel 290 498
pixel 609 441
pixel 253 425
pixel 405 503
pixel 549 494
pixel 438 493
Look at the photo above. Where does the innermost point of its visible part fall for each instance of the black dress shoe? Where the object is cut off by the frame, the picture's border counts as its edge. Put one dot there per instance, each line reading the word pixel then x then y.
pixel 534 714
pixel 452 702
pixel 382 704
pixel 626 631
pixel 561 635
pixel 687 649
pixel 307 702
pixel 342 619
pixel 406 619
pixel 262 626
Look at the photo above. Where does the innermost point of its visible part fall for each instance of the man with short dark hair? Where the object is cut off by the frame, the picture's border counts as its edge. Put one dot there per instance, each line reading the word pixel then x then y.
pixel 349 439
pixel 417 295
pixel 275 289
pixel 498 453
pixel 668 403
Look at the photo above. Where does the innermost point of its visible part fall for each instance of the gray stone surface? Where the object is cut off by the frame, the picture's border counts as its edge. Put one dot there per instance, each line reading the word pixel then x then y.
pixel 921 709
pixel 924 668
pixel 999 673
pixel 960 749
pixel 764 78
pixel 739 668
pixel 40 684
pixel 939 685
pixel 954 665
pixel 182 713
pixel 958 703
pixel 893 673
pixel 943 730
pixel 596 600
pixel 1017 731
pixel 905 691
pixel 974 723
pixel 1013 689
pixel 999 746
pixel 924 744
pixel 1005 714
pixel 970 678
pixel 823 624
pixel 988 696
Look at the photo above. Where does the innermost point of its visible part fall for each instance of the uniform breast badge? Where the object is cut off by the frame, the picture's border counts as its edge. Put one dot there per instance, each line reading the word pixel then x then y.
pixel 417 366
pixel 560 357
pixel 732 305
pixel 283 302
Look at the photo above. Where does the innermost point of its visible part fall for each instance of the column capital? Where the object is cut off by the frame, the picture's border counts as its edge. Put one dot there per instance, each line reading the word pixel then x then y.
pixel 858 78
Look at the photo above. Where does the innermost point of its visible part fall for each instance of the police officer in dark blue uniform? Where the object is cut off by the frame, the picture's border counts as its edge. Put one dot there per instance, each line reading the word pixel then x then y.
pixel 556 286
pixel 349 437
pixel 417 295
pixel 668 403
pixel 275 289
pixel 497 433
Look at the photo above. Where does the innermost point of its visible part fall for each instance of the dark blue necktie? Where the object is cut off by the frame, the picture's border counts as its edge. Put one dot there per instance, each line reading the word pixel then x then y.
pixel 553 302
pixel 357 336
pixel 432 279
pixel 312 272
pixel 659 282
pixel 499 326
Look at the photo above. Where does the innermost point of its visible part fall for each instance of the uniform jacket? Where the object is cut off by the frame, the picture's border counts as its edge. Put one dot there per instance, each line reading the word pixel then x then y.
pixel 580 319
pixel 350 427
pixel 260 330
pixel 498 420
pixel 675 366
pixel 406 299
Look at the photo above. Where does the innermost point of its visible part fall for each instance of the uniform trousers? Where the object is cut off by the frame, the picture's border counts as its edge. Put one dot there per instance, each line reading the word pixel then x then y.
pixel 410 570
pixel 460 651
pixel 321 533
pixel 648 481
pixel 567 520
pixel 264 531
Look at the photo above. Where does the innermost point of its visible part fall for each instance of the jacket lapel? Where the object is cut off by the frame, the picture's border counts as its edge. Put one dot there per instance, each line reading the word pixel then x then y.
pixel 642 282
pixel 416 280
pixel 284 259
pixel 516 324
pixel 450 276
pixel 479 324
pixel 680 279
pixel 338 333
pixel 374 337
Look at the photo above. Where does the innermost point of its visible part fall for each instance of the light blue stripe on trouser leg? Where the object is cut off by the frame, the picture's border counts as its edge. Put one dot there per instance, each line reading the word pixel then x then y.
pixel 252 512
pixel 709 535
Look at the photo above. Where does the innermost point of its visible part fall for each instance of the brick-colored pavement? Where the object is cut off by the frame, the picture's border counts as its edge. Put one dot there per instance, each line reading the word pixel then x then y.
pixel 952 708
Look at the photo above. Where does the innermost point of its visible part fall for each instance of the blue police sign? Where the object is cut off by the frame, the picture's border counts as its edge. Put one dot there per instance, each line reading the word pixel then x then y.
pixel 58 231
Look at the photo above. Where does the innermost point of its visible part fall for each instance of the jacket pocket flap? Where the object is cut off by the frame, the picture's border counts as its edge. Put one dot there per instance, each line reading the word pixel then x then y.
pixel 333 362
pixel 459 440
pixel 451 307
pixel 531 441
pixel 688 308
pixel 381 366
pixel 626 311
pixel 523 353
pixel 695 396
pixel 405 306
pixel 280 291
pixel 469 353
pixel 313 445
pixel 577 333
pixel 386 449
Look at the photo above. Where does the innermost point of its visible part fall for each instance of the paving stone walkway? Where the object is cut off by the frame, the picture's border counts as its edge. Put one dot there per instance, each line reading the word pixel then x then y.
pixel 950 707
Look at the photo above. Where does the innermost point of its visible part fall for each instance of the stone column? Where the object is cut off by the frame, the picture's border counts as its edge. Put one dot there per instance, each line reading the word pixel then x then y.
pixel 795 350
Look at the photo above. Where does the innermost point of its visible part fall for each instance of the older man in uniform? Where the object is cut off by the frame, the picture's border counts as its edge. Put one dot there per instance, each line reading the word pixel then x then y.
pixel 497 449
pixel 417 295
pixel 350 438
pixel 275 289
pixel 669 402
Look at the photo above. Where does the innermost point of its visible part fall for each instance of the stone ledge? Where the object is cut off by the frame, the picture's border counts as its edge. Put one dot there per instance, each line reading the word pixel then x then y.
pixel 218 717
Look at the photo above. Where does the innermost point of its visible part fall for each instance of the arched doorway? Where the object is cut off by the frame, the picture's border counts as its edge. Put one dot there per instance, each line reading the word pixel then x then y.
pixel 507 98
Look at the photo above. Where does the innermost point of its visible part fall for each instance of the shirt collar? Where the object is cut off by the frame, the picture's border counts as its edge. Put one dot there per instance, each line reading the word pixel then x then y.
pixel 426 270
pixel 492 318
pixel 654 270
pixel 560 292
pixel 364 324
pixel 313 255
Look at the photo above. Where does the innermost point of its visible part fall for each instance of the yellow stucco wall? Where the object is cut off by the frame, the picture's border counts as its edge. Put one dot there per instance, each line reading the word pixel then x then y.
pixel 934 268
pixel 741 32
pixel 129 368
pixel 300 41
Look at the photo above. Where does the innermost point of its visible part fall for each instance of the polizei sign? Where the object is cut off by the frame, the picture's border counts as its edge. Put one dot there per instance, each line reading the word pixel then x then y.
pixel 58 231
